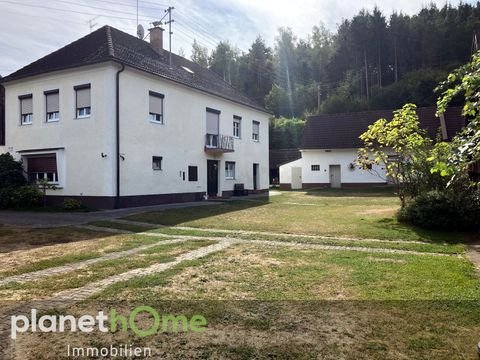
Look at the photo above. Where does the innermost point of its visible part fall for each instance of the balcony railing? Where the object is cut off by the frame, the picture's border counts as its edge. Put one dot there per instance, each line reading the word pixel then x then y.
pixel 218 143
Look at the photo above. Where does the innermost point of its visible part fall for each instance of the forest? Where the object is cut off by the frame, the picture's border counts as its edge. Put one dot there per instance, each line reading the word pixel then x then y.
pixel 372 61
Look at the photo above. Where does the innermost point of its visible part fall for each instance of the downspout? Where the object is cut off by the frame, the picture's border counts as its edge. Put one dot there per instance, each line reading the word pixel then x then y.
pixel 117 136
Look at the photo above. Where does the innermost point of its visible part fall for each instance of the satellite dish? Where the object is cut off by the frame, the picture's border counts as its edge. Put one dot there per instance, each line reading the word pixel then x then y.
pixel 140 31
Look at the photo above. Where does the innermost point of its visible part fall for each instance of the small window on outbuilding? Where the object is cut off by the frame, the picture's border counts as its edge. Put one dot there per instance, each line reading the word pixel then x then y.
pixel 315 167
pixel 157 162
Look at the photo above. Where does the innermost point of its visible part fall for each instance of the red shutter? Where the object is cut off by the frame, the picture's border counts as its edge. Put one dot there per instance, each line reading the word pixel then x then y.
pixel 42 164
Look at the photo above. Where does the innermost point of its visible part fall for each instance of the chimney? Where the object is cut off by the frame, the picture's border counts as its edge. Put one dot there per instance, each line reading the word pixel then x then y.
pixel 156 39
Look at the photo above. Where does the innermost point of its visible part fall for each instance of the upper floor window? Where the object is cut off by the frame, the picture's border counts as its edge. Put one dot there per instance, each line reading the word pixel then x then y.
pixel 237 123
pixel 83 101
pixel 229 170
pixel 255 130
pixel 26 109
pixel 155 111
pixel 52 105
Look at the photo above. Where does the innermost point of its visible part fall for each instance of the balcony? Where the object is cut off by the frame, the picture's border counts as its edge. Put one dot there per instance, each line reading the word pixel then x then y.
pixel 219 144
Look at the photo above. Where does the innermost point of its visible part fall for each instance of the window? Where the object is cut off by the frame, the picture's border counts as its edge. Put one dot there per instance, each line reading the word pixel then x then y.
pixel 155 112
pixel 26 109
pixel 83 101
pixel 52 105
pixel 213 120
pixel 192 173
pixel 42 167
pixel 315 167
pixel 229 170
pixel 255 130
pixel 237 126
pixel 157 162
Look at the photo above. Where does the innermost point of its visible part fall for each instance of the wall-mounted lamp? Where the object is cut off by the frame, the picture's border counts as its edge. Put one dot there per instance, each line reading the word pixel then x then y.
pixel 122 156
pixel 104 155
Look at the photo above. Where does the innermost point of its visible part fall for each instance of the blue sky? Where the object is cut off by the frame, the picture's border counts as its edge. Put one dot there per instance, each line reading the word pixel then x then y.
pixel 33 28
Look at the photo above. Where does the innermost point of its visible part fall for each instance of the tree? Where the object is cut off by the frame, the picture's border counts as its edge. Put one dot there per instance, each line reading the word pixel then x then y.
pixel 403 148
pixel 463 82
pixel 199 54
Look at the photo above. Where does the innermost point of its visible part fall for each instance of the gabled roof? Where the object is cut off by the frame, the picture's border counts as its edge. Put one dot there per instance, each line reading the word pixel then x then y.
pixel 342 131
pixel 282 156
pixel 110 44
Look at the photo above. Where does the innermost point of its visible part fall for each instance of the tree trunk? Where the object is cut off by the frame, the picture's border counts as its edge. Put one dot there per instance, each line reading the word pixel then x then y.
pixel 367 90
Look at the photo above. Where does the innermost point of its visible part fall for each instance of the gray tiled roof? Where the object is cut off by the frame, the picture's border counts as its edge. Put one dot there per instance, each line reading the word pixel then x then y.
pixel 342 131
pixel 110 44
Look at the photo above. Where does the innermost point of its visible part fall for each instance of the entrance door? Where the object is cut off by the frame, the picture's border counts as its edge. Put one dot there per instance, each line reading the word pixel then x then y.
pixel 212 177
pixel 335 177
pixel 296 178
pixel 255 177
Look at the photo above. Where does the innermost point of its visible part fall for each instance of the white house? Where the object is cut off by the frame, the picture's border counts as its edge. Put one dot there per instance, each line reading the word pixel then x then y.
pixel 330 143
pixel 112 123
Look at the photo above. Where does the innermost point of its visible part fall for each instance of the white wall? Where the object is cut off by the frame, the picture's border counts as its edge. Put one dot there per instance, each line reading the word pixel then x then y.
pixel 84 171
pixel 342 157
pixel 181 140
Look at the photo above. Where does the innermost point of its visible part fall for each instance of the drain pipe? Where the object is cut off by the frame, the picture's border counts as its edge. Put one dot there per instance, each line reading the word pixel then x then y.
pixel 117 136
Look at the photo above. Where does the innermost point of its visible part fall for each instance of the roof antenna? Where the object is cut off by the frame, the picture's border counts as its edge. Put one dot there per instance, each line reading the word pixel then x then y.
pixel 91 23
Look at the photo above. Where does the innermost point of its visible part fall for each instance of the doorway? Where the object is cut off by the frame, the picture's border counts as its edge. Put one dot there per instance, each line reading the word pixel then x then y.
pixel 335 177
pixel 296 178
pixel 255 176
pixel 212 177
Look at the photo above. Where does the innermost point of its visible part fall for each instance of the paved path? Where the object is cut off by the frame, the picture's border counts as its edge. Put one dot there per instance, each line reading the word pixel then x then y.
pixel 79 294
pixel 57 270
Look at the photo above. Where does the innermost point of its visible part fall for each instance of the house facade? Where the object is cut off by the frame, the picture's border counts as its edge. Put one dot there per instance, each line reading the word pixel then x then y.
pixel 121 126
pixel 330 143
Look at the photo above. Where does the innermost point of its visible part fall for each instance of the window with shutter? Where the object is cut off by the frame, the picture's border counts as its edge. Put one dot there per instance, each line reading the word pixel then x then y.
pixel 155 112
pixel 83 101
pixel 26 109
pixel 255 130
pixel 42 167
pixel 52 99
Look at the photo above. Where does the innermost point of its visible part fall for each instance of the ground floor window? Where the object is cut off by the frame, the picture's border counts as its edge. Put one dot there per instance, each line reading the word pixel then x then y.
pixel 315 167
pixel 229 170
pixel 157 162
pixel 192 173
pixel 42 167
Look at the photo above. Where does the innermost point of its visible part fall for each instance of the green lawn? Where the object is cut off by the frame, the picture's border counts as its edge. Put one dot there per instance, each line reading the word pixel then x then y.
pixel 269 300
pixel 368 214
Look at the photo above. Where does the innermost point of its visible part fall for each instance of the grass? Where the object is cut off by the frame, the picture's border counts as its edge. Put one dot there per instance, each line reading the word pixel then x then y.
pixel 120 226
pixel 324 212
pixel 270 273
pixel 158 254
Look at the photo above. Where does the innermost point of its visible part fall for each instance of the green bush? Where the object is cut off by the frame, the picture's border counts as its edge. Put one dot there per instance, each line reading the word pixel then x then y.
pixel 447 210
pixel 11 172
pixel 20 197
pixel 72 204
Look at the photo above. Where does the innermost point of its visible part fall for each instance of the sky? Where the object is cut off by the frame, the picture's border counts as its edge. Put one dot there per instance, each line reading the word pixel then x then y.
pixel 34 28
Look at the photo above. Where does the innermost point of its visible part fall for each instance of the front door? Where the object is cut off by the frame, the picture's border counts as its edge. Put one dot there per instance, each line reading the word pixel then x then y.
pixel 255 176
pixel 335 177
pixel 212 177
pixel 296 178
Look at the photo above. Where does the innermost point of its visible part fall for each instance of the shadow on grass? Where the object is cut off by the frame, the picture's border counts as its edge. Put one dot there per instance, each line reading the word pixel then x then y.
pixel 449 237
pixel 17 238
pixel 371 191
pixel 173 217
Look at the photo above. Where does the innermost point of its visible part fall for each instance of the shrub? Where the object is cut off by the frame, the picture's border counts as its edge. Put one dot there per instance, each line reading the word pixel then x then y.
pixel 72 204
pixel 447 210
pixel 20 197
pixel 11 172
